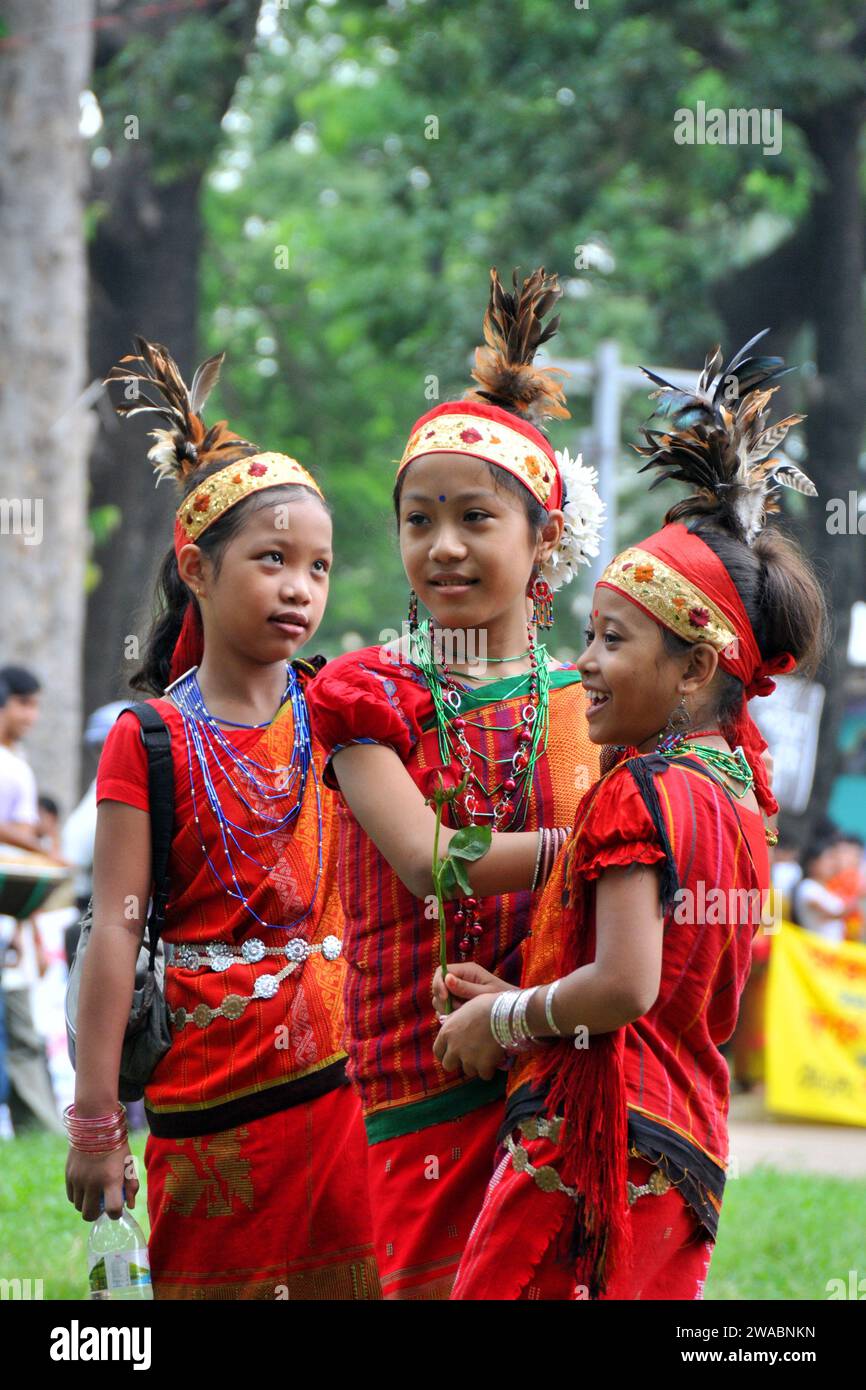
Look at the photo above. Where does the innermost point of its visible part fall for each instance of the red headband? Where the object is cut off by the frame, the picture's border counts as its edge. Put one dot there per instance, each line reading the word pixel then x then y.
pixel 705 606
pixel 478 430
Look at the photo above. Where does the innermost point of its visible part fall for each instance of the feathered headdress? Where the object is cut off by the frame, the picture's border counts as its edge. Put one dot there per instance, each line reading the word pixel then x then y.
pixel 514 331
pixel 720 441
pixel 499 421
pixel 187 445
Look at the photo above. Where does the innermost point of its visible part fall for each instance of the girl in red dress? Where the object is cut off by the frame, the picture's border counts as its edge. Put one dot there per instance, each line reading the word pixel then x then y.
pixel 256 1159
pixel 615 1135
pixel 490 520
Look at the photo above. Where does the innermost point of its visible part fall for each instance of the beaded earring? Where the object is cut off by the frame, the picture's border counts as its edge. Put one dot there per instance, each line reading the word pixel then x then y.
pixel 413 611
pixel 542 603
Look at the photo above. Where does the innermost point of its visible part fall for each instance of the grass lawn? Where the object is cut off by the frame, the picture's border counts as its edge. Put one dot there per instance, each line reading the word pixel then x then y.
pixel 782 1235
pixel 41 1234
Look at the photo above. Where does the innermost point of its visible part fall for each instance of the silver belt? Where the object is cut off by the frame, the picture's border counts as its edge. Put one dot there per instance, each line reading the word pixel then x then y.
pixel 219 955
pixel 547 1178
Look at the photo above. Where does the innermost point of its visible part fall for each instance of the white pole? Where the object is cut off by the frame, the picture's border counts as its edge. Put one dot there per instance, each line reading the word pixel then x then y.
pixel 606 431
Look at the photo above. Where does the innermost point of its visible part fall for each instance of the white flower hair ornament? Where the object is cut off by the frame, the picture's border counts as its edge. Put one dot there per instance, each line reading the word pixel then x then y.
pixel 584 517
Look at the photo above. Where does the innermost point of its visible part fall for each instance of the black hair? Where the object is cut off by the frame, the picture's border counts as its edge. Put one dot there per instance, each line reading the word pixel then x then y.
pixel 47 803
pixel 19 681
pixel 172 595
pixel 781 595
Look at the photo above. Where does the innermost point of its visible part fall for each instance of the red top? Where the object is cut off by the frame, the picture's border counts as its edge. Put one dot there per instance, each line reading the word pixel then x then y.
pixel 274 1051
pixel 675 1082
pixel 674 1071
pixel 392 936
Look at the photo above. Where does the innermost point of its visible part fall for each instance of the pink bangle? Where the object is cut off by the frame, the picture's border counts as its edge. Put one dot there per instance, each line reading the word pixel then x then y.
pixel 96 1134
pixel 552 841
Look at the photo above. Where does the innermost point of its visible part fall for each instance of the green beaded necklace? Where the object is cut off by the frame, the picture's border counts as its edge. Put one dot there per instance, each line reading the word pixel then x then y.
pixel 494 661
pixel 510 795
pixel 733 765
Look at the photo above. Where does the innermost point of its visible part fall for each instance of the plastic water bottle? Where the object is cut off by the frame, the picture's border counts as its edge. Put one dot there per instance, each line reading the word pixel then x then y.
pixel 117 1259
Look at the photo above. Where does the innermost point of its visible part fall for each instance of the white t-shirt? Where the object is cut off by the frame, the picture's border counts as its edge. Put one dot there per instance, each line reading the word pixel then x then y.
pixel 76 844
pixel 18 795
pixel 812 894
pixel 786 874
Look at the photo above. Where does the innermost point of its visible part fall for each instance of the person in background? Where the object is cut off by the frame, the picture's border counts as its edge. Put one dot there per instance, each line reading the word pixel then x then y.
pixel 79 831
pixel 817 908
pixel 4 1076
pixel 48 825
pixel 849 882
pixel 786 872
pixel 30 1094
pixel 19 812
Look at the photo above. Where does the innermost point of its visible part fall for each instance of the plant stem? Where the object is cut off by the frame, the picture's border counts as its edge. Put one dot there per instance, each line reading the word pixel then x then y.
pixel 443 953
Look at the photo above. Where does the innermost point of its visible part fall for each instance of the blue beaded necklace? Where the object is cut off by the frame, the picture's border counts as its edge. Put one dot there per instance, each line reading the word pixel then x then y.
pixel 207 742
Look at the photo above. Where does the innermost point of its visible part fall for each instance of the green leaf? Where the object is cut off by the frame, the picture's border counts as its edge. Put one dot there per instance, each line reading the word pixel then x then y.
pixel 471 842
pixel 453 878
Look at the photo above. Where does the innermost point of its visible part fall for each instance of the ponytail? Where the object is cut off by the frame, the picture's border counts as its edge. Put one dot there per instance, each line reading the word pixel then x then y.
pixel 173 598
pixel 781 595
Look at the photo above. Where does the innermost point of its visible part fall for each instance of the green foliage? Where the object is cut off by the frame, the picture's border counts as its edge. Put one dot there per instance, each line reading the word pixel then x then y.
pixel 392 153
pixel 102 523
pixel 173 89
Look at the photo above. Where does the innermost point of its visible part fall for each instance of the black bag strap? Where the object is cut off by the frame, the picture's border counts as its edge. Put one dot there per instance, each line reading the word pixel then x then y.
pixel 157 740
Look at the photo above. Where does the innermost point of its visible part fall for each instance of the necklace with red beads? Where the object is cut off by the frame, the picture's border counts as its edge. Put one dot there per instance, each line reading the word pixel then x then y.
pixel 508 800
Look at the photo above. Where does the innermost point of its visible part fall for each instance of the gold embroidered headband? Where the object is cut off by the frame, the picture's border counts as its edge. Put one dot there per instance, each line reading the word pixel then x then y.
pixel 484 432
pixel 670 598
pixel 223 490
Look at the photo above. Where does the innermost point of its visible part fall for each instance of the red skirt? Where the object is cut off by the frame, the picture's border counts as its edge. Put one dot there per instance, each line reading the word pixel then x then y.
pixel 426 1190
pixel 512 1252
pixel 273 1209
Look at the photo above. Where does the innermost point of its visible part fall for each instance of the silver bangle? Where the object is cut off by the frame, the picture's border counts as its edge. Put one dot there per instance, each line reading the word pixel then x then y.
pixel 521 1027
pixel 537 860
pixel 548 1008
pixel 508 1023
pixel 498 1027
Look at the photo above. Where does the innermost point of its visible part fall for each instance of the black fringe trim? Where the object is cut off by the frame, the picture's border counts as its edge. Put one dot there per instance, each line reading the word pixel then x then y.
pixel 644 770
pixel 698 1178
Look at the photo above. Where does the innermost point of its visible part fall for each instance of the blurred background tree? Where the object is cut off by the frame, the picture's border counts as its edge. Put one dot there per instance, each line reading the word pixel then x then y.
pixel 45 52
pixel 320 188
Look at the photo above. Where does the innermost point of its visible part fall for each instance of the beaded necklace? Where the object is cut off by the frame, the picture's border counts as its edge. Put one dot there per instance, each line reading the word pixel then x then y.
pixel 279 787
pixel 509 797
pixel 733 765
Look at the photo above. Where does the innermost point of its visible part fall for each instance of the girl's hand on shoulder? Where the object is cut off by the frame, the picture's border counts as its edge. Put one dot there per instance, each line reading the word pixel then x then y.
pixel 465 1040
pixel 466 980
pixel 90 1176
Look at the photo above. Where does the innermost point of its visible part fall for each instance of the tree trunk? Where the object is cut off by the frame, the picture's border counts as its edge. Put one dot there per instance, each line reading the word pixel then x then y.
pixel 815 279
pixel 144 268
pixel 46 437
pixel 837 412
pixel 144 264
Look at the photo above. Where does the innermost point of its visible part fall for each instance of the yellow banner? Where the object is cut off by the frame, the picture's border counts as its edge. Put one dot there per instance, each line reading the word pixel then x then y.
pixel 816 1028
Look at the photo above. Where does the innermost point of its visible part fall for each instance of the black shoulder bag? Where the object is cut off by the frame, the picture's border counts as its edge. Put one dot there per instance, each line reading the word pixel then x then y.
pixel 148 1031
